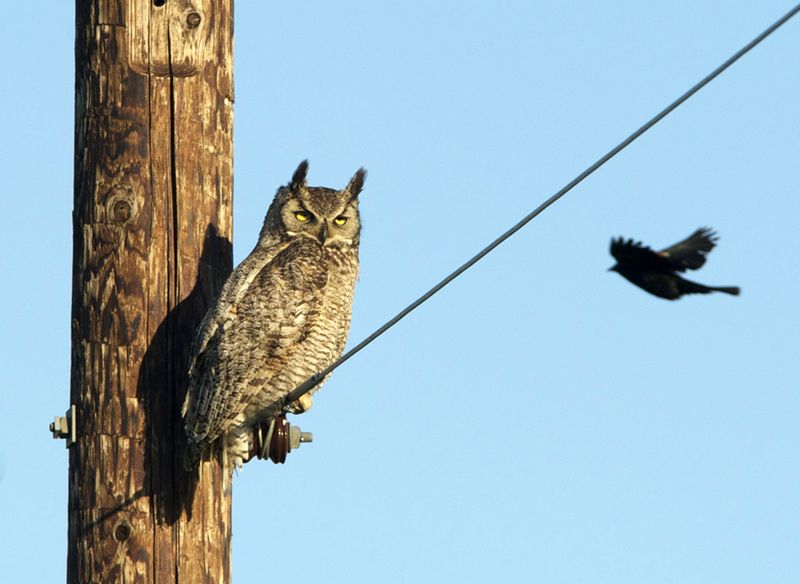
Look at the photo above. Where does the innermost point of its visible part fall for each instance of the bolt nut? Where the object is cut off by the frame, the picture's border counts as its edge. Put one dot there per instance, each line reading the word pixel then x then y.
pixel 59 427
pixel 297 437
pixel 65 426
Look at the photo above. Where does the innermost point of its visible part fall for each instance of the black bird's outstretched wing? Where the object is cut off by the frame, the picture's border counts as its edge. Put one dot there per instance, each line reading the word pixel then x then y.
pixel 690 253
pixel 635 255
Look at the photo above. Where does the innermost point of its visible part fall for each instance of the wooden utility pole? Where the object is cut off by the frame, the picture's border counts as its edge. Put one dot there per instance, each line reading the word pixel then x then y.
pixel 152 230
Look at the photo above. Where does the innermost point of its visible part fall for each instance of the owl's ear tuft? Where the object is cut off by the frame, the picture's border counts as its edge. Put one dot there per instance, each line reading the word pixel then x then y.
pixel 356 183
pixel 299 176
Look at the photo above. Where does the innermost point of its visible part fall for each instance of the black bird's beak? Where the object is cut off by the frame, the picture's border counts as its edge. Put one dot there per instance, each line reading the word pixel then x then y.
pixel 323 233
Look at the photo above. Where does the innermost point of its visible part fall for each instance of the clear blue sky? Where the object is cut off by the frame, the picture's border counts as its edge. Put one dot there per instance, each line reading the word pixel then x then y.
pixel 540 419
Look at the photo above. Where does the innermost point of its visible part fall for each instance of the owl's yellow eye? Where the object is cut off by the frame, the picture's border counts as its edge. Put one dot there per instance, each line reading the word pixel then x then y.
pixel 302 216
pixel 341 220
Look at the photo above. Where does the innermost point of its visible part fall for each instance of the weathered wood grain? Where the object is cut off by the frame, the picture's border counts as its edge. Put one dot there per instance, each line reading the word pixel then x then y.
pixel 152 229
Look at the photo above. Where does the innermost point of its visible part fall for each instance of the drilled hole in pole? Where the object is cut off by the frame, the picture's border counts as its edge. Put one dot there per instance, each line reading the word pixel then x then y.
pixel 159 2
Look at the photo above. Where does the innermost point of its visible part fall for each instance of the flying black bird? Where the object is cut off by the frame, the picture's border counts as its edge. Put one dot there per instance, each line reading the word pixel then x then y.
pixel 656 271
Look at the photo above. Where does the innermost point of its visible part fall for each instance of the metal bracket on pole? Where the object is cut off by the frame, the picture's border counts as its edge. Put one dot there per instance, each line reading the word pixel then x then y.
pixel 65 426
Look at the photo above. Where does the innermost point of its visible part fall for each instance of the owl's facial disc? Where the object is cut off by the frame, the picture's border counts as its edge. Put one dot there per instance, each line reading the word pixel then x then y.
pixel 322 219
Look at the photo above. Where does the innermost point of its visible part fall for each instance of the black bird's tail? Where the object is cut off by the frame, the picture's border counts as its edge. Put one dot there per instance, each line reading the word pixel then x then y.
pixel 732 290
pixel 689 287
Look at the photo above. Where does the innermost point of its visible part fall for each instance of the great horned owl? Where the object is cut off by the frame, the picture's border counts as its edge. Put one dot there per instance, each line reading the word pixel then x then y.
pixel 282 315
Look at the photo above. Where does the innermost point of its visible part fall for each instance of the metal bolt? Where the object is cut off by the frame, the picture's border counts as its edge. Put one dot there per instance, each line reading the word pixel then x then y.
pixel 297 437
pixel 59 427
pixel 65 426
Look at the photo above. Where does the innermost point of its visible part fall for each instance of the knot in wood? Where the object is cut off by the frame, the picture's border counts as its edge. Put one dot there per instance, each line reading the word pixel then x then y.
pixel 120 205
pixel 121 211
pixel 193 19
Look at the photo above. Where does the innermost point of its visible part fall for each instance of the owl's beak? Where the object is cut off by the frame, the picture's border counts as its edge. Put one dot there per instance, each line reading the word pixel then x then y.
pixel 323 233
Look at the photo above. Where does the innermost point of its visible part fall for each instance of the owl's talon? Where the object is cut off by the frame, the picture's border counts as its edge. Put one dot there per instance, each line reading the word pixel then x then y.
pixel 301 404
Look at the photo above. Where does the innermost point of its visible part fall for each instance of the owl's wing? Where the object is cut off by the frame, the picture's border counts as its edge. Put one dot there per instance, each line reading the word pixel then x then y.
pixel 232 291
pixel 252 338
pixel 690 253
pixel 636 255
pixel 208 335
